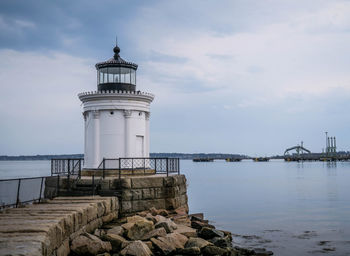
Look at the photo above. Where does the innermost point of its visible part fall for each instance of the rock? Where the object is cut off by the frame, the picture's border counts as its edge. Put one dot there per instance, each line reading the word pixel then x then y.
pixel 150 217
pixel 190 251
pixel 103 254
pixel 139 229
pixel 99 232
pixel 208 233
pixel 261 252
pixel 134 219
pixel 154 233
pixel 87 244
pixel 149 244
pixel 153 211
pixel 118 242
pixel 136 248
pixel 181 220
pixel 213 250
pixel 117 230
pixel 197 242
pixel 222 242
pixel 163 247
pixel 160 218
pixel 163 212
pixel 181 211
pixel 197 216
pixel 186 231
pixel 143 213
pixel 127 226
pixel 199 225
pixel 166 225
pixel 170 243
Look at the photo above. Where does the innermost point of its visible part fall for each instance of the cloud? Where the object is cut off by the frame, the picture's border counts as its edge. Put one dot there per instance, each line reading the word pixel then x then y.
pixel 39 101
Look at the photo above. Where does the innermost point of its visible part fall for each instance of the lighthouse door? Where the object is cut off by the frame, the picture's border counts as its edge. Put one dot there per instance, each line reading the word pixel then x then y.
pixel 139 146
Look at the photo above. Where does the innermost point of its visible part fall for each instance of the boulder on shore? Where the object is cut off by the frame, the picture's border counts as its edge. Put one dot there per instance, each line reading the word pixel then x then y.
pixel 87 244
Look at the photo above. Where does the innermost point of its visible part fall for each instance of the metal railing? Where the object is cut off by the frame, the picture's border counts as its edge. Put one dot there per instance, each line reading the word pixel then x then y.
pixel 139 166
pixel 70 166
pixel 16 192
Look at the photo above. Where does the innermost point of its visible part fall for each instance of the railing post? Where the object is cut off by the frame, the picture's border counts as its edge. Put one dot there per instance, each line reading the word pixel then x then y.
pixel 18 188
pixel 58 185
pixel 155 165
pixel 41 188
pixel 104 166
pixel 167 170
pixel 132 166
pixel 79 172
pixel 144 166
pixel 51 167
pixel 120 163
pixel 178 166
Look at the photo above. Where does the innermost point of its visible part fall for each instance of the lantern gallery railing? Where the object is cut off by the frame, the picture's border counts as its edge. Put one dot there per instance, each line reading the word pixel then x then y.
pixel 139 166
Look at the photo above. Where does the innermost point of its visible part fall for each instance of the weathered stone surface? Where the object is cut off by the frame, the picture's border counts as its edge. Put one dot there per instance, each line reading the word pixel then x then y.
pixel 87 244
pixel 118 242
pixel 163 212
pixel 134 219
pixel 147 182
pixel 150 217
pixel 214 250
pixel 199 225
pixel 164 247
pixel 52 223
pixel 186 231
pixel 166 225
pixel 127 226
pixel 139 229
pixel 140 205
pixel 99 232
pixel 197 242
pixel 222 242
pixel 136 248
pixel 154 233
pixel 160 218
pixel 148 193
pixel 208 233
pixel 117 230
pixel 169 243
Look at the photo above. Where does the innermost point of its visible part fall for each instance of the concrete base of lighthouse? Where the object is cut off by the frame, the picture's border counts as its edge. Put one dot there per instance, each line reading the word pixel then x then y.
pixel 135 193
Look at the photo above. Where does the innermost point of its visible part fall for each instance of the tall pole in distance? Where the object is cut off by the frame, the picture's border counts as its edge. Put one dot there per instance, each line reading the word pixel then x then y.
pixel 326 143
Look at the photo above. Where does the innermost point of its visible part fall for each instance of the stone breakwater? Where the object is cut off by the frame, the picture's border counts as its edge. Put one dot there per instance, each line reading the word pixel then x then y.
pixel 159 232
pixel 48 228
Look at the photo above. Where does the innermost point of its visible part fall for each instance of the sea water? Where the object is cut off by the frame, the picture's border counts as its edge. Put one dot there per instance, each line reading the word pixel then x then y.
pixel 288 207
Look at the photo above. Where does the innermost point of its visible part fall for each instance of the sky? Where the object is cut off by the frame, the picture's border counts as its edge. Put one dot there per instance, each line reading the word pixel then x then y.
pixel 241 76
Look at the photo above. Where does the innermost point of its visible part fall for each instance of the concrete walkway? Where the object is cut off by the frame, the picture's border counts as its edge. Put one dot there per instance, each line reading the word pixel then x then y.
pixel 47 228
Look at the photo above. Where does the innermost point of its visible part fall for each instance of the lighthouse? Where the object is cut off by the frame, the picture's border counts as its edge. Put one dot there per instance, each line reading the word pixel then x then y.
pixel 116 116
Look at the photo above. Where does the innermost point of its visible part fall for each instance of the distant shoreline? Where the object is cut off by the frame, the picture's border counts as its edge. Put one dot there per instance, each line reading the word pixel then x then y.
pixel 160 155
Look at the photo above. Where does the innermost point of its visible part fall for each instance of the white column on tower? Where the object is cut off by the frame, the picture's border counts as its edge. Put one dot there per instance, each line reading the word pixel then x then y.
pixel 128 133
pixel 96 140
pixel 147 116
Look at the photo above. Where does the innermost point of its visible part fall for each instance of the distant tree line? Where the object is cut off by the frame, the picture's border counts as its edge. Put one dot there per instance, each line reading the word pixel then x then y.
pixel 153 155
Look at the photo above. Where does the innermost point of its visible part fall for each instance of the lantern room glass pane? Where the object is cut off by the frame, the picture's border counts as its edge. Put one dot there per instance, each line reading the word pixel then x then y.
pixel 117 75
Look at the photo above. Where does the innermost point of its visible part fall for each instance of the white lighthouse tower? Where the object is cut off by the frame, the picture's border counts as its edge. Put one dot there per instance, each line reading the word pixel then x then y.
pixel 116 115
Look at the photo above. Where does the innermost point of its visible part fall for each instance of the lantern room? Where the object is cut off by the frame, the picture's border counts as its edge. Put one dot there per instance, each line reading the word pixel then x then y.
pixel 116 74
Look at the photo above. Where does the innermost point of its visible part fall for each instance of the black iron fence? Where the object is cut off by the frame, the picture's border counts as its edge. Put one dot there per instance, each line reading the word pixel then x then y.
pixel 68 167
pixel 16 192
pixel 142 165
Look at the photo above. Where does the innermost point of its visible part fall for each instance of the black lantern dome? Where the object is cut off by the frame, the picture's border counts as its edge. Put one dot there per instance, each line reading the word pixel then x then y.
pixel 116 74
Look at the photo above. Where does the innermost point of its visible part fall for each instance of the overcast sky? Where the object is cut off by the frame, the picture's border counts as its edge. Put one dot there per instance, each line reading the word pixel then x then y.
pixel 239 76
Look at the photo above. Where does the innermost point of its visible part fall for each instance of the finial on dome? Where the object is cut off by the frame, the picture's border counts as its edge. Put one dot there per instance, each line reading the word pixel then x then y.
pixel 116 49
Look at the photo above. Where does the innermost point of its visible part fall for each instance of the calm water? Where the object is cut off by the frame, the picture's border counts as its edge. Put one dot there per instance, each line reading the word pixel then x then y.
pixel 289 208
